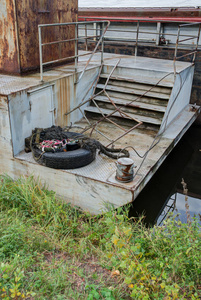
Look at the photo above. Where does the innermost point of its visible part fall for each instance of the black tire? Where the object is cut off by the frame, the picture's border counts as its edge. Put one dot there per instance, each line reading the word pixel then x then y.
pixel 65 160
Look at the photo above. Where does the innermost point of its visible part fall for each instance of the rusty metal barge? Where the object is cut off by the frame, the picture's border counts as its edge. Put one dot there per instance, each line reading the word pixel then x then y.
pixel 136 103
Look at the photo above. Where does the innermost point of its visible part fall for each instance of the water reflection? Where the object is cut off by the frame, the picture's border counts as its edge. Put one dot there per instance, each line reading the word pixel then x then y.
pixel 176 205
pixel 164 191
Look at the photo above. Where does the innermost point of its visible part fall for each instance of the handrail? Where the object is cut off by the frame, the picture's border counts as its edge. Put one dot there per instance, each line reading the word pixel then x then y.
pixel 179 41
pixel 76 39
pixel 100 40
pixel 158 41
pixel 101 37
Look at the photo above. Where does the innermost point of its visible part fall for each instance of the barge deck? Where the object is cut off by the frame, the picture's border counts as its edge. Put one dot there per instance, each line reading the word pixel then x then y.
pixel 26 103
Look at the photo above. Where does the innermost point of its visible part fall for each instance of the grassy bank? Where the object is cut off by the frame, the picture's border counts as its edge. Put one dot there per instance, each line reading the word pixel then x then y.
pixel 49 250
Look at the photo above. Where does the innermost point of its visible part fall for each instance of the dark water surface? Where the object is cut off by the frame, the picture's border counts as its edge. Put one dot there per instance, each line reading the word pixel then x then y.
pixel 164 192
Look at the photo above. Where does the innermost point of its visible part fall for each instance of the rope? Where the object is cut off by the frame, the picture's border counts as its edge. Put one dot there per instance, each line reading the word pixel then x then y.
pixel 84 141
pixel 92 144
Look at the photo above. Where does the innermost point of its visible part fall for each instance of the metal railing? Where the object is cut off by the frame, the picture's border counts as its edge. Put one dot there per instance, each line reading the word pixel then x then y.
pixel 158 37
pixel 98 38
pixel 194 51
pixel 95 32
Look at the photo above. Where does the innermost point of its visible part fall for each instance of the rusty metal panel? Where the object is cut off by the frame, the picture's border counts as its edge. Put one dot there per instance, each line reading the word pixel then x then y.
pixel 9 61
pixel 145 12
pixel 19 26
pixel 32 13
pixel 29 15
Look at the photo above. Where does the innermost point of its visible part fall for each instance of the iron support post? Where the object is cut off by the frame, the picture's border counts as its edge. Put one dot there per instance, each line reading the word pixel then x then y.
pixel 137 34
pixel 40 53
pixel 76 47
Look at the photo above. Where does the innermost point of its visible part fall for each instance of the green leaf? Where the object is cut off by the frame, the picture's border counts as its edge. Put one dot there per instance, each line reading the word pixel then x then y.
pixel 127 280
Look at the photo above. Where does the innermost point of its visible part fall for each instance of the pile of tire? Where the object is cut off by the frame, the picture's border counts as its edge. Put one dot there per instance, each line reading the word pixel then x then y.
pixel 76 157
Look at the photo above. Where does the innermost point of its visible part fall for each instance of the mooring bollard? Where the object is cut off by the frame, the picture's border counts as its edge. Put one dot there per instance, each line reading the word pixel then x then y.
pixel 125 170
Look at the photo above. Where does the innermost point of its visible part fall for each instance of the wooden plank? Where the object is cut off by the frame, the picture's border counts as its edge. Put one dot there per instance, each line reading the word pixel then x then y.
pixel 141 118
pixel 145 80
pixel 137 104
pixel 133 91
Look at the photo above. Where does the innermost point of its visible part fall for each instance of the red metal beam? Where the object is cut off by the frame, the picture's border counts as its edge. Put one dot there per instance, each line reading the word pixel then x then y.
pixel 135 19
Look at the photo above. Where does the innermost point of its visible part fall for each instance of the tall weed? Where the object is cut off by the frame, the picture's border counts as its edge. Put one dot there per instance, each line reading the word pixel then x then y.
pixel 51 245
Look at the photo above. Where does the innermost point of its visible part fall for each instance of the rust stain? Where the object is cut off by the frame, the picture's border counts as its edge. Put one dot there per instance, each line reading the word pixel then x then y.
pixel 27 15
pixel 8 38
pixel 3 103
pixel 28 20
pixel 191 13
pixel 63 96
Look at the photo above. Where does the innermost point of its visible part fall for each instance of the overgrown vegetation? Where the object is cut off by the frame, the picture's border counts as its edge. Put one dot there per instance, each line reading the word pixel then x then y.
pixel 49 250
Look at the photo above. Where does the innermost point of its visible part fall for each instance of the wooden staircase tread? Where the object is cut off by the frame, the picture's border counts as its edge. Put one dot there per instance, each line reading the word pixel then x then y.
pixel 144 119
pixel 133 91
pixel 143 80
pixel 134 104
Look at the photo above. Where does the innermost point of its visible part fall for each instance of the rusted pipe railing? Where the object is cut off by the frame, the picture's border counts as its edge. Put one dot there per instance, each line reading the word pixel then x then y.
pixel 94 51
pixel 186 39
pixel 76 47
pixel 98 37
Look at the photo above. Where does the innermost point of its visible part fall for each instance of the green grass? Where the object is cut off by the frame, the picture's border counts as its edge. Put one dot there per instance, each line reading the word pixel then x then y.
pixel 50 250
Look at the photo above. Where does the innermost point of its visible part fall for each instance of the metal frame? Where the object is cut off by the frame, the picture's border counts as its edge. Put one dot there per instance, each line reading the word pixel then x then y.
pixel 186 39
pixel 168 208
pixel 99 38
pixel 158 22
pixel 116 109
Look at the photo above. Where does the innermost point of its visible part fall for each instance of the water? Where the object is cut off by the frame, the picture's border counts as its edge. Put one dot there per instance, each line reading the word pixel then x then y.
pixel 164 192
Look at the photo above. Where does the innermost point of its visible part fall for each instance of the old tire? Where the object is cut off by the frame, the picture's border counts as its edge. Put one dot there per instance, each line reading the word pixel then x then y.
pixel 65 160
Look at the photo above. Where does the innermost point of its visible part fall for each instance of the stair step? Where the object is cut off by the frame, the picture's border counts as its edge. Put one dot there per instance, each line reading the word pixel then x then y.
pixel 93 109
pixel 136 104
pixel 143 99
pixel 130 110
pixel 133 91
pixel 166 82
pixel 140 86
pixel 141 73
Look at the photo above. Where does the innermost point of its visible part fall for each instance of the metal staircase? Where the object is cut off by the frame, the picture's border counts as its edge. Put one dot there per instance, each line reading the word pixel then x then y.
pixel 136 98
